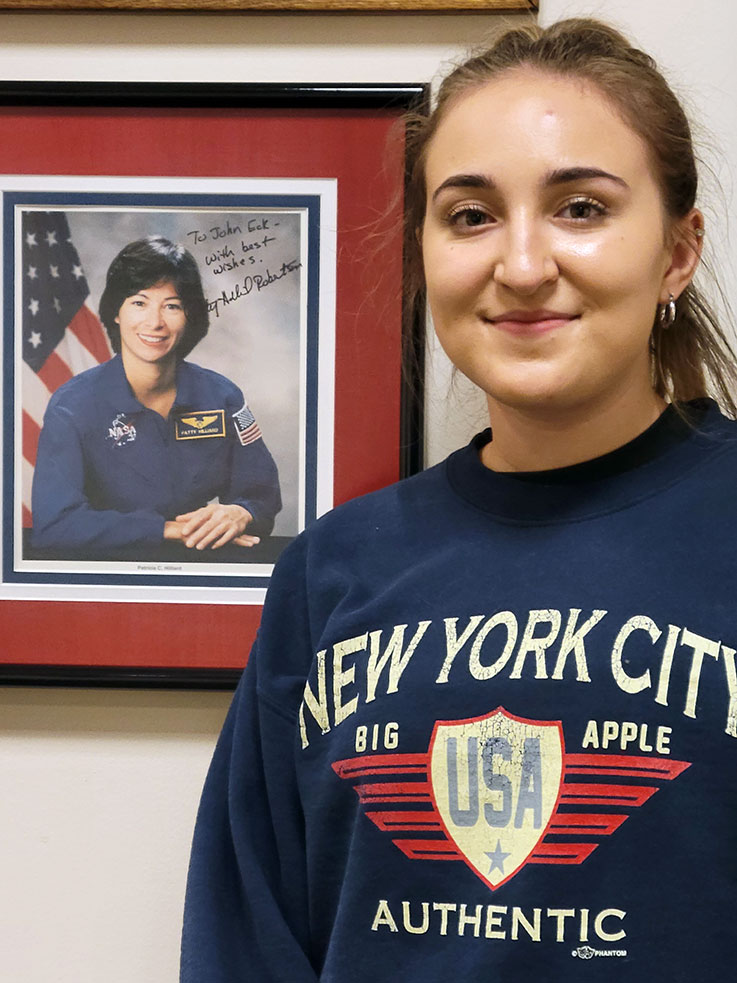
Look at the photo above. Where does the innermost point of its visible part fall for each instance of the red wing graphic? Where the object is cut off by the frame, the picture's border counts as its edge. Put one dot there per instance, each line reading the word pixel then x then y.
pixel 597 795
pixel 606 790
pixel 409 785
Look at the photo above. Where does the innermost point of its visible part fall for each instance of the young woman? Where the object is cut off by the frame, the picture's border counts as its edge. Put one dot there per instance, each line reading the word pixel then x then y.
pixel 490 722
pixel 132 451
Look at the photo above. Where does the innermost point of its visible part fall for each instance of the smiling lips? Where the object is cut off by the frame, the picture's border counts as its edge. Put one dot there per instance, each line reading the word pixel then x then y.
pixel 152 339
pixel 530 322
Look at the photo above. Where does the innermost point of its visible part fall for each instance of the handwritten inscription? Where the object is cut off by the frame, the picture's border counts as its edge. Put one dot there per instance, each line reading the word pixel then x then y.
pixel 257 282
pixel 216 232
pixel 241 256
pixel 225 259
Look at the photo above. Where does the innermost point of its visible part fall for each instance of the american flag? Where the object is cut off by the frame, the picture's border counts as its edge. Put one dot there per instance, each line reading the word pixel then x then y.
pixel 61 335
pixel 245 425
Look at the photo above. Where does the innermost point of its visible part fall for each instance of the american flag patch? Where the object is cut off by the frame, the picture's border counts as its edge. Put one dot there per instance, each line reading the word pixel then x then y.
pixel 245 426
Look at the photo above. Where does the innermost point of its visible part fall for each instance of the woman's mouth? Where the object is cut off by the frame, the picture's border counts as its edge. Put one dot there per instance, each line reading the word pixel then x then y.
pixel 152 339
pixel 522 322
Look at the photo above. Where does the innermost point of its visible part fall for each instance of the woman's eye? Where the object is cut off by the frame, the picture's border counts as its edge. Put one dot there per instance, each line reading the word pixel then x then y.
pixel 582 209
pixel 468 217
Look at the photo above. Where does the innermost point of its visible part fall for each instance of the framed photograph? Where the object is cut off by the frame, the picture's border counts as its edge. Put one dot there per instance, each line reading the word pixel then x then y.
pixel 202 314
pixel 265 252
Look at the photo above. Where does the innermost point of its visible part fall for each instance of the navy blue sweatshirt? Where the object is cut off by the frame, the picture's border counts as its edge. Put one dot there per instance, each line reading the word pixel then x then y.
pixel 488 732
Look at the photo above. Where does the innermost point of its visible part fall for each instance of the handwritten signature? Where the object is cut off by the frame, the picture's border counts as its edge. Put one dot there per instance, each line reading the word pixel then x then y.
pixel 257 282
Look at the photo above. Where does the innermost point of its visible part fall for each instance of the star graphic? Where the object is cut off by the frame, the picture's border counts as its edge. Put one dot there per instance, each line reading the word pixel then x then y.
pixel 32 272
pixel 77 271
pixel 31 239
pixel 51 238
pixel 33 307
pixel 54 271
pixel 35 339
pixel 497 857
pixel 57 305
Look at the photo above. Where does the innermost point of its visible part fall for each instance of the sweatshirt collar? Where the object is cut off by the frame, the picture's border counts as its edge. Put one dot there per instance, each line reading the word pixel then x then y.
pixel 656 458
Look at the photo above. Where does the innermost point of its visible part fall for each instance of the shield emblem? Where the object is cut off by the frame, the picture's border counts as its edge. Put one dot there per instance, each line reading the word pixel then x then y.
pixel 496 781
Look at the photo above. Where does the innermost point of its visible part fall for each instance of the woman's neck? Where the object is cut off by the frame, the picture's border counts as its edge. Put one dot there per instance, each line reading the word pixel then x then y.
pixel 153 383
pixel 542 438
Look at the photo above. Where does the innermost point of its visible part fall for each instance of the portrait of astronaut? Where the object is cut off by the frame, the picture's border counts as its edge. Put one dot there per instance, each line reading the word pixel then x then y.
pixel 161 383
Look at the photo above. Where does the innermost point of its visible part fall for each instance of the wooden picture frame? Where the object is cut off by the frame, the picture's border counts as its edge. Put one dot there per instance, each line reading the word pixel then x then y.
pixel 277 6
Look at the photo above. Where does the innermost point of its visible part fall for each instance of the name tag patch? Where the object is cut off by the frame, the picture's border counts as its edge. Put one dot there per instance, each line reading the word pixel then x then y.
pixel 200 424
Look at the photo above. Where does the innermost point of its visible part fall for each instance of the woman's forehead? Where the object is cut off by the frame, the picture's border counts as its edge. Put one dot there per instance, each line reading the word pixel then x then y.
pixel 525 116
pixel 166 284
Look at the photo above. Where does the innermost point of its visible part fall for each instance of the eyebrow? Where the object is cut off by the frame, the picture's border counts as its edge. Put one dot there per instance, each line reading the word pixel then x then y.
pixel 565 174
pixel 561 175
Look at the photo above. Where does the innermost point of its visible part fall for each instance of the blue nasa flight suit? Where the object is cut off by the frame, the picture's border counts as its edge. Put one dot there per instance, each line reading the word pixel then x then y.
pixel 110 472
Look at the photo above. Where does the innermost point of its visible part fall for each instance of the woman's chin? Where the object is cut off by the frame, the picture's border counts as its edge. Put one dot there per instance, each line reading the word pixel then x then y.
pixel 150 354
pixel 536 391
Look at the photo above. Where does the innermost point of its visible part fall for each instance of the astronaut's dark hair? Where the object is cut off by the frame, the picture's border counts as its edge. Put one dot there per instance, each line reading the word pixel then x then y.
pixel 147 263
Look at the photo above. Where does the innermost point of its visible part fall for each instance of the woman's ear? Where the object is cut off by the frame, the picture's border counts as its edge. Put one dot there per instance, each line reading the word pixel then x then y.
pixel 687 243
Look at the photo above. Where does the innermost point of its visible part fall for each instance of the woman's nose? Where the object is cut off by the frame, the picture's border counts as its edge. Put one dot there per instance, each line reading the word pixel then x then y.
pixel 155 317
pixel 526 258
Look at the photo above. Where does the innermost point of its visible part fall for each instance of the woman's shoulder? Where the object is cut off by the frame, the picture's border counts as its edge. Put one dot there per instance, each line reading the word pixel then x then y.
pixel 397 511
pixel 88 387
pixel 207 383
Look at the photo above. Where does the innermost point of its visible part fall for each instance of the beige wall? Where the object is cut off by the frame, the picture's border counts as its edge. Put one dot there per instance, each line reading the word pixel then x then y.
pixel 100 787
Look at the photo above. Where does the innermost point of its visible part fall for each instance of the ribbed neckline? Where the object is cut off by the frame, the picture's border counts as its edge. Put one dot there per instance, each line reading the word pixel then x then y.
pixel 654 459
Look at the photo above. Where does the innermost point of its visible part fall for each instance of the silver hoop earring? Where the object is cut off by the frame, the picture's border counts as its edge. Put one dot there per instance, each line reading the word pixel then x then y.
pixel 667 312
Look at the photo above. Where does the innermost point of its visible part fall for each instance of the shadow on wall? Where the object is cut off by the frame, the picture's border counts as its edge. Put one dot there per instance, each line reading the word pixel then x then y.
pixel 69 712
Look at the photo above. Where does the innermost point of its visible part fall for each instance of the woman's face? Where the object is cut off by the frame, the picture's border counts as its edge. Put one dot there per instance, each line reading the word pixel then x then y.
pixel 544 243
pixel 152 323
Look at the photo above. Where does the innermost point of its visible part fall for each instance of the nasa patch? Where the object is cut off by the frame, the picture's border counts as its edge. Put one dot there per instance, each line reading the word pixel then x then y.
pixel 121 431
